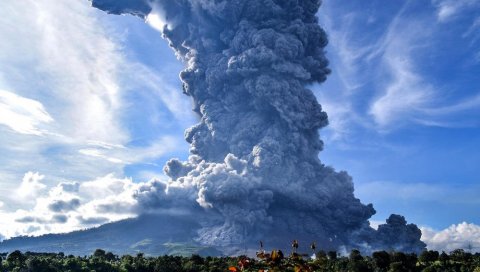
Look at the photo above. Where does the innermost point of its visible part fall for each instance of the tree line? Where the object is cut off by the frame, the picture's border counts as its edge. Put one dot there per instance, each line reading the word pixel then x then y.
pixel 380 261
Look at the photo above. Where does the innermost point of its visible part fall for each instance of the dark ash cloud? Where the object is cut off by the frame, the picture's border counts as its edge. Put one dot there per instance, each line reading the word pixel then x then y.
pixel 254 170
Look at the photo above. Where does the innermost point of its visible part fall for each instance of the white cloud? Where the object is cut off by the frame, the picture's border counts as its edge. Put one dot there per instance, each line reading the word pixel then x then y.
pixel 171 96
pixel 448 9
pixel 77 65
pixel 403 92
pixel 57 55
pixel 67 58
pixel 130 155
pixel 104 187
pixel 405 95
pixel 374 223
pixel 347 54
pixel 71 206
pixel 464 105
pixel 31 186
pixel 350 51
pixel 104 145
pixel 381 69
pixel 156 19
pixel 464 235
pixel 387 71
pixel 339 117
pixel 21 114
pixel 448 115
pixel 98 154
pixel 473 30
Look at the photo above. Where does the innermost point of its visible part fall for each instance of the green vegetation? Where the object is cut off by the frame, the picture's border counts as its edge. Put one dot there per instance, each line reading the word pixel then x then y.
pixel 102 261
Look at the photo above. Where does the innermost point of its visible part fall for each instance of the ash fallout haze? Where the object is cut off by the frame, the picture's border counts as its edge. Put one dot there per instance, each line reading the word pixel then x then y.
pixel 264 78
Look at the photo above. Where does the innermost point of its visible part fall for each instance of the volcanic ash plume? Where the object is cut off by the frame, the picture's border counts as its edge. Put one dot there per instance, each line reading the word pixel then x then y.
pixel 254 171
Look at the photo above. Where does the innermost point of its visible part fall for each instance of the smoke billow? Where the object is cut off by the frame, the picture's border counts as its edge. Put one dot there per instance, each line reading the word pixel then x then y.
pixel 254 171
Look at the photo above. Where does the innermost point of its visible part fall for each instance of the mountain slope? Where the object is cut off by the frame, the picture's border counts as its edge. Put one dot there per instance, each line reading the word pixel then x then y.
pixel 149 234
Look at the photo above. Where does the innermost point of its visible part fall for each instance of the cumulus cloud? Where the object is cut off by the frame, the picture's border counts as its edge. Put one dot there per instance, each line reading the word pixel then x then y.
pixel 71 206
pixel 464 235
pixel 31 185
pixel 254 167
pixel 64 205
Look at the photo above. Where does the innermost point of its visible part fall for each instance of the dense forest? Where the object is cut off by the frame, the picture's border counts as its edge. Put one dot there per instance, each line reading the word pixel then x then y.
pixel 101 261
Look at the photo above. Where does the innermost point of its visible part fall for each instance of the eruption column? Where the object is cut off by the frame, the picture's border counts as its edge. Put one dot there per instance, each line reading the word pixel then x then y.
pixel 254 169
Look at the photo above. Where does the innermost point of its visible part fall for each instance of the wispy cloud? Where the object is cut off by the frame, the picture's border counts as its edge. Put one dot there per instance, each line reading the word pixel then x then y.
pixel 68 77
pixel 130 155
pixel 384 63
pixel 77 66
pixel 99 154
pixel 346 49
pixel 470 103
pixel 171 96
pixel 402 92
pixel 448 9
pixel 23 115
pixel 404 96
pixel 473 29
pixel 347 54
pixel 377 67
pixel 61 58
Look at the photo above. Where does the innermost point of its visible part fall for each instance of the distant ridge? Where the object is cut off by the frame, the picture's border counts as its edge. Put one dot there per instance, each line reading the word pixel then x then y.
pixel 149 234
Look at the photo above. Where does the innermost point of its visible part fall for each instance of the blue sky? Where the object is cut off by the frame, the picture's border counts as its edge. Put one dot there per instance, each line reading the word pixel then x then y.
pixel 91 107
pixel 404 102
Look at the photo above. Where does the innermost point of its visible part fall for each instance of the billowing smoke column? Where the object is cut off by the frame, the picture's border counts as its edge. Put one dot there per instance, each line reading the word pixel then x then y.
pixel 254 171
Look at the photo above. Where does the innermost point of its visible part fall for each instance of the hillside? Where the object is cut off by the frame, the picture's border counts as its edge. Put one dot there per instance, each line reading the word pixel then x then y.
pixel 150 234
